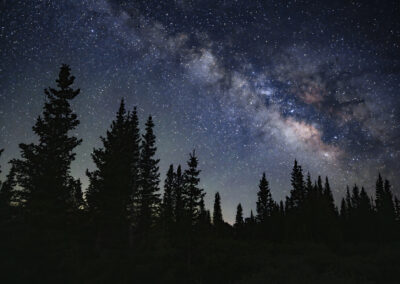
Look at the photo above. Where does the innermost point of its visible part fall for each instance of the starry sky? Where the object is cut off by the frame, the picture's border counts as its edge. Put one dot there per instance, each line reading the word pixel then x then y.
pixel 251 85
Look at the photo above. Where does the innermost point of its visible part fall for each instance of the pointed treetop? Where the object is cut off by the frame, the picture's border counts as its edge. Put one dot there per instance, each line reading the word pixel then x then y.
pixel 64 81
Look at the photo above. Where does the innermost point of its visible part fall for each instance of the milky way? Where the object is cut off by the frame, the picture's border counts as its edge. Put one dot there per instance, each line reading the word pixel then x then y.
pixel 251 85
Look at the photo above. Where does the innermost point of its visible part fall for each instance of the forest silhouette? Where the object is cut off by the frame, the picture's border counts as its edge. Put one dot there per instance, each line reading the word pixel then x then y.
pixel 126 229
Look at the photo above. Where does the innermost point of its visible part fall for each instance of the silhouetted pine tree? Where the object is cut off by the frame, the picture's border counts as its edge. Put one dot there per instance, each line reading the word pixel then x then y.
pixel 379 194
pixel 43 172
pixel 385 210
pixel 168 200
pixel 239 217
pixel 204 218
pixel 252 219
pixel 217 213
pixel 355 197
pixel 388 201
pixel 133 151
pixel 110 189
pixel 397 208
pixel 192 192
pixel 343 209
pixel 297 194
pixel 178 196
pixel 329 198
pixel 348 200
pixel 265 204
pixel 296 225
pixel 8 195
pixel 148 198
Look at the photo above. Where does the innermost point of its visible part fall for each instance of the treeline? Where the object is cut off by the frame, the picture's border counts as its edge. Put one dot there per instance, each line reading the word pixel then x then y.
pixel 44 213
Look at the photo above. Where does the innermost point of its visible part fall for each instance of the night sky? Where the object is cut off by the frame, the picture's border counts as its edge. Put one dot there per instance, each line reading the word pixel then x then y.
pixel 251 85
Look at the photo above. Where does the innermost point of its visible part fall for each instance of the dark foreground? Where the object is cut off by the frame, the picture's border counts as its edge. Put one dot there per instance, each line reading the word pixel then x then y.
pixel 203 260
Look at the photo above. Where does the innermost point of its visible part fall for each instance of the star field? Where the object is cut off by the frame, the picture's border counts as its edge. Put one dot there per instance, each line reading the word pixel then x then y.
pixel 251 85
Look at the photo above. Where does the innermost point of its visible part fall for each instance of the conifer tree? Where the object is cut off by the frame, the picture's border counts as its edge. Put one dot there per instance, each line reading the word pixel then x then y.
pixel 148 196
pixel 388 204
pixel 329 197
pixel 348 200
pixel 217 213
pixel 343 209
pixel 204 218
pixel 397 208
pixel 178 196
pixel 320 188
pixel 167 204
pixel 365 206
pixel 355 197
pixel 252 218
pixel 8 195
pixel 109 190
pixel 192 192
pixel 109 195
pixel 133 151
pixel 43 172
pixel 297 194
pixel 265 203
pixel 309 185
pixel 239 217
pixel 379 194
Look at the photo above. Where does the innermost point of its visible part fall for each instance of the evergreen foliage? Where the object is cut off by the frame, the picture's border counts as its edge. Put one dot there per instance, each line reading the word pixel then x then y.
pixel 50 233
pixel 217 213
pixel 43 173
pixel 193 194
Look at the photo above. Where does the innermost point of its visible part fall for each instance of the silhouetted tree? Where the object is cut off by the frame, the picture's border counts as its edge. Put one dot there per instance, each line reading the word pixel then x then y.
pixel 8 195
pixel 217 213
pixel 297 194
pixel 239 217
pixel 168 200
pixel 110 189
pixel 43 172
pixel 265 204
pixel 329 197
pixel 148 198
pixel 343 209
pixel 133 151
pixel 379 194
pixel 178 196
pixel 192 192
pixel 204 218
pixel 397 208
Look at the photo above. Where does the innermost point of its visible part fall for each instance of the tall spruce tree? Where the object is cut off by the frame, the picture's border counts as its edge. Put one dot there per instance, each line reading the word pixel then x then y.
pixel 389 210
pixel 265 204
pixel 329 198
pixel 239 222
pixel 43 172
pixel 148 196
pixel 343 209
pixel 133 151
pixel 192 192
pixel 297 193
pixel 348 200
pixel 168 198
pixel 8 194
pixel 178 196
pixel 204 218
pixel 217 213
pixel 397 208
pixel 110 189
pixel 379 194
